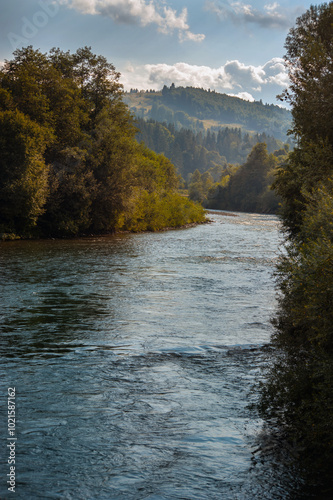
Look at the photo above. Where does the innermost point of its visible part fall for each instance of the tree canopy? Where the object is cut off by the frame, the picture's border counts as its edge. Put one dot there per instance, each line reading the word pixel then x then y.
pixel 199 109
pixel 297 395
pixel 247 188
pixel 69 159
pixel 309 59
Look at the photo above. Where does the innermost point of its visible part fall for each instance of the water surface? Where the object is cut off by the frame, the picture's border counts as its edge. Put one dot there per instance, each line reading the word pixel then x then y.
pixel 133 357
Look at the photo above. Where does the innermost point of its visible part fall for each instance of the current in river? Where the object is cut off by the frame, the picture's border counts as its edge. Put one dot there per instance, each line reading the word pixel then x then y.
pixel 133 358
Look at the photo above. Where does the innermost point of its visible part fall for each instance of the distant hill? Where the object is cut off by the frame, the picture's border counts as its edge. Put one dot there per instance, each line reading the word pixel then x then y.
pixel 199 110
pixel 189 150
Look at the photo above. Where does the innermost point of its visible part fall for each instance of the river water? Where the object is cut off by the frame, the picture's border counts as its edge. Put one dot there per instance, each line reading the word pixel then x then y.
pixel 133 357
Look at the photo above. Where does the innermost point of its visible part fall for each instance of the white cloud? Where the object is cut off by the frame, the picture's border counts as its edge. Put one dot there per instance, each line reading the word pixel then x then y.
pixel 242 75
pixel 271 16
pixel 246 96
pixel 275 72
pixel 143 12
pixel 84 6
pixel 234 78
pixel 188 75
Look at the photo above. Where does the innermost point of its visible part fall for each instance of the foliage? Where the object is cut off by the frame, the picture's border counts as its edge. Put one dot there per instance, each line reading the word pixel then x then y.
pixel 193 108
pixel 310 64
pixel 154 203
pixel 69 159
pixel 190 151
pixel 297 396
pixel 310 61
pixel 152 212
pixel 307 166
pixel 23 173
pixel 245 188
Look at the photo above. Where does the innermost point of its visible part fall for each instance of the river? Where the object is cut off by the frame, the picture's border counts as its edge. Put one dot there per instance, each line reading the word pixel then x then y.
pixel 133 356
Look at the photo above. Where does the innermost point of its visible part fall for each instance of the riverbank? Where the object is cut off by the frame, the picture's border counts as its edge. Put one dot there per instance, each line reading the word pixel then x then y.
pixel 5 237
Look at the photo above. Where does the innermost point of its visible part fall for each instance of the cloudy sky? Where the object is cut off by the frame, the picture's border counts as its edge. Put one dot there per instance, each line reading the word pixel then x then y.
pixel 230 46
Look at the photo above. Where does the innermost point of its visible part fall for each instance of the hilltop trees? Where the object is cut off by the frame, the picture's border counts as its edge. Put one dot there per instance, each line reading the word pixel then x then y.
pixel 191 108
pixel 69 159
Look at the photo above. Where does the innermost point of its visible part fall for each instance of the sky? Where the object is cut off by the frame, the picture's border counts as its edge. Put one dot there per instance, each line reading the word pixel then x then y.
pixel 231 47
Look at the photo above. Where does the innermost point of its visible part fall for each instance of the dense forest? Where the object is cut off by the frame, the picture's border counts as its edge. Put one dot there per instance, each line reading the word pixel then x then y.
pixel 70 163
pixel 222 166
pixel 297 397
pixel 244 188
pixel 226 170
pixel 190 151
pixel 199 110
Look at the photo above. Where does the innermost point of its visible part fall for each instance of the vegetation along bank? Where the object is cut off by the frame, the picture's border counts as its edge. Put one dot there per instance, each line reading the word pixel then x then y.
pixel 70 163
pixel 297 398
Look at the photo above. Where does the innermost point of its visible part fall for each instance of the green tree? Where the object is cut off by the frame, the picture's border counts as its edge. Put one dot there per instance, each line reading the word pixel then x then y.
pixel 97 79
pixel 77 166
pixel 247 189
pixel 23 173
pixel 72 189
pixel 112 160
pixel 310 62
pixel 297 394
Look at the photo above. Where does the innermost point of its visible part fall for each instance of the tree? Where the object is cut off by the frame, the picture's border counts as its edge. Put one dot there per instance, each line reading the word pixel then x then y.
pixel 23 173
pixel 297 394
pixel 97 79
pixel 246 190
pixel 309 59
pixel 310 62
pixel 39 89
pixel 112 159
pixel 69 159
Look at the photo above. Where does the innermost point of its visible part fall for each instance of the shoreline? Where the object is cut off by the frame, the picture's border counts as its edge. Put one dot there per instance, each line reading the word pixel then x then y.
pixel 8 237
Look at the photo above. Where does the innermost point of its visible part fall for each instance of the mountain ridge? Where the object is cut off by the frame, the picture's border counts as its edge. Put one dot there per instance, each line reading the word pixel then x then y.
pixel 200 110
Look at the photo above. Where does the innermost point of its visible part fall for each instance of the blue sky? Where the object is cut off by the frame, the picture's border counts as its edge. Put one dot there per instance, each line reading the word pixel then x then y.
pixel 230 46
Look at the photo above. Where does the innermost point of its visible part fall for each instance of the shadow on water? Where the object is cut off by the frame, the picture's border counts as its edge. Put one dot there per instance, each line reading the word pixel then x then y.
pixel 53 294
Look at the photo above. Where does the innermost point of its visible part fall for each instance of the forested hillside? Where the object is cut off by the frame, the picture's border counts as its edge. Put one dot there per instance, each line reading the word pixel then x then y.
pixel 199 110
pixel 70 163
pixel 206 136
pixel 190 151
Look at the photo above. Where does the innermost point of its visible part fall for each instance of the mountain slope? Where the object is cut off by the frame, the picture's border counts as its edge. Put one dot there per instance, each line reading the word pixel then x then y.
pixel 198 109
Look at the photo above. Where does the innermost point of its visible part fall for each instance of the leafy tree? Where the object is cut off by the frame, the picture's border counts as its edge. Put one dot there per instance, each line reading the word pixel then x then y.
pixel 111 160
pixel 248 188
pixel 70 161
pixel 72 189
pixel 297 395
pixel 306 167
pixel 23 173
pixel 97 79
pixel 309 59
pixel 310 63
